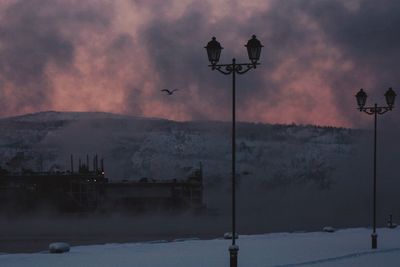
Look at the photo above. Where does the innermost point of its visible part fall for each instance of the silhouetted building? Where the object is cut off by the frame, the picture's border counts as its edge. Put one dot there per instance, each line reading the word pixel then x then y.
pixel 89 190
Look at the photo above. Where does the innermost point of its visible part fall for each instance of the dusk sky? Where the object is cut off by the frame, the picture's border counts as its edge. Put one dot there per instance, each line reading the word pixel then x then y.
pixel 116 56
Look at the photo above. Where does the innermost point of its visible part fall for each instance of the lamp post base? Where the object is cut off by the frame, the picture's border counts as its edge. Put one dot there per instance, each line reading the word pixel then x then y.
pixel 233 252
pixel 374 238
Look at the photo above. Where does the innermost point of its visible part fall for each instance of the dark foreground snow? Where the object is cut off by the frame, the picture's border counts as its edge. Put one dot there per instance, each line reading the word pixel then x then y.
pixel 348 248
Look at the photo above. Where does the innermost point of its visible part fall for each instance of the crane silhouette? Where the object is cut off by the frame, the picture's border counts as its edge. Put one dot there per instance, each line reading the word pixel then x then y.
pixel 169 92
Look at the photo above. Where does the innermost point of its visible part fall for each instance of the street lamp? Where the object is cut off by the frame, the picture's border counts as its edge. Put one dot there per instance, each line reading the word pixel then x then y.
pixel 361 97
pixel 214 49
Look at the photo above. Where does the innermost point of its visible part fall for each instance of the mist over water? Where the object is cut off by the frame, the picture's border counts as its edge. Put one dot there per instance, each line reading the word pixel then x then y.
pixel 346 203
pixel 290 178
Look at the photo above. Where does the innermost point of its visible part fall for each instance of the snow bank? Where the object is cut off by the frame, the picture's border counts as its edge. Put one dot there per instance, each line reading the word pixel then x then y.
pixel 59 247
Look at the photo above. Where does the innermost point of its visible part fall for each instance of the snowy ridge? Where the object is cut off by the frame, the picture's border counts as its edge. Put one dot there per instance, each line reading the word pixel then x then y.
pixel 47 116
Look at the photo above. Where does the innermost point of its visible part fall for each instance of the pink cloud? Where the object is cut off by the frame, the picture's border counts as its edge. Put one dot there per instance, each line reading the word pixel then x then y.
pixel 116 56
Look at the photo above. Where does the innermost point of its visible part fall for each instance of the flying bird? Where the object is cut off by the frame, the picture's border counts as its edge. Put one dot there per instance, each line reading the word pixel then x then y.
pixel 169 92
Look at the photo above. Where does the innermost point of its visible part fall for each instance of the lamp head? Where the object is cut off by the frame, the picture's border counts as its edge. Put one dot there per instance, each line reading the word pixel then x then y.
pixel 390 96
pixel 361 97
pixel 213 51
pixel 254 49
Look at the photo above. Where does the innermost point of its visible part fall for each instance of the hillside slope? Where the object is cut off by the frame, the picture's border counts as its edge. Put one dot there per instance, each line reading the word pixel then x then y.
pixel 137 147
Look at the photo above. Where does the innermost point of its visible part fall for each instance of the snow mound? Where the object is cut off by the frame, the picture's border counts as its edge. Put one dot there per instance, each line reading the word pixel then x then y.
pixel 328 229
pixel 229 235
pixel 59 247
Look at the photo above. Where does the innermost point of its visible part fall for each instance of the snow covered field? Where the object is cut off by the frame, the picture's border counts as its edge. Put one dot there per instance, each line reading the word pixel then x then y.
pixel 348 248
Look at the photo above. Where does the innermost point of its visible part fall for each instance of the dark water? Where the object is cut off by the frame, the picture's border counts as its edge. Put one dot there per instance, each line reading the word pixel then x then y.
pixel 35 232
pixel 259 210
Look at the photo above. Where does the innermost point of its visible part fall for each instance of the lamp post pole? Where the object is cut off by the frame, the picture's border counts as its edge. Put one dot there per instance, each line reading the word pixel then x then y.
pixel 375 110
pixel 374 236
pixel 214 50
pixel 233 158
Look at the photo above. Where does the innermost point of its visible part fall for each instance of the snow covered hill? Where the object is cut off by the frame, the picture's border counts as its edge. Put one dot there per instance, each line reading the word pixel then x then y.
pixel 135 147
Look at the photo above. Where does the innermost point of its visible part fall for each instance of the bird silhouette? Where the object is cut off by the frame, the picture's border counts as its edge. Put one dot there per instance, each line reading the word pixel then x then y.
pixel 169 92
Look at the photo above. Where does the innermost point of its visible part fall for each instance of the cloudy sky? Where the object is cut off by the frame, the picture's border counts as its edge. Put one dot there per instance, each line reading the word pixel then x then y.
pixel 116 56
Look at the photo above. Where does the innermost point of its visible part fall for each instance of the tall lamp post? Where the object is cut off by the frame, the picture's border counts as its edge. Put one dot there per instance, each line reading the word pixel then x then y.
pixel 361 96
pixel 214 51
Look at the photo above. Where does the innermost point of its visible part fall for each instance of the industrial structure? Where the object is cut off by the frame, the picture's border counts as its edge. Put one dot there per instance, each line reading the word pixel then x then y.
pixel 89 190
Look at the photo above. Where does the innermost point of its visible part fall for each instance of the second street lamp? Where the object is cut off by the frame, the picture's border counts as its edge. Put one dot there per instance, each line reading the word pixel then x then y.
pixel 214 49
pixel 361 97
